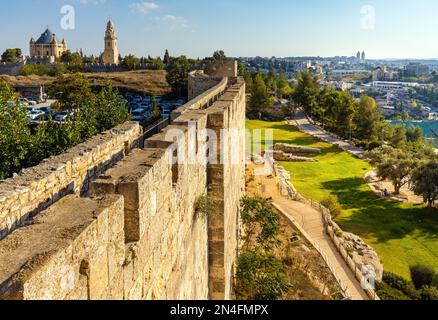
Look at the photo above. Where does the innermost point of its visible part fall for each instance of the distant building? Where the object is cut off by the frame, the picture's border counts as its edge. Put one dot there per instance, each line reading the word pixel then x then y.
pixel 111 52
pixel 391 85
pixel 47 47
pixel 382 73
pixel 358 55
pixel 417 70
pixel 363 55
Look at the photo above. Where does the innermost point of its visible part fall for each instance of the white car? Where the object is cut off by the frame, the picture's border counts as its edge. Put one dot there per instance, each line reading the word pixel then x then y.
pixel 63 116
pixel 27 102
pixel 33 115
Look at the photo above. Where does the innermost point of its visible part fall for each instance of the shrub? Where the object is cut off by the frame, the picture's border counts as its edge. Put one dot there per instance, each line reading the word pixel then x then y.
pixel 386 292
pixel 401 284
pixel 422 276
pixel 374 145
pixel 262 223
pixel 429 293
pixel 205 206
pixel 332 203
pixel 260 277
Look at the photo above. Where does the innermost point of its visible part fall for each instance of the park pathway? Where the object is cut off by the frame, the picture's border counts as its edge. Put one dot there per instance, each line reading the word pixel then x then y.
pixel 311 222
pixel 304 125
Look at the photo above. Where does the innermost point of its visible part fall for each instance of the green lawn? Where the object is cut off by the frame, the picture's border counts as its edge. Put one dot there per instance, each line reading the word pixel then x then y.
pixel 402 234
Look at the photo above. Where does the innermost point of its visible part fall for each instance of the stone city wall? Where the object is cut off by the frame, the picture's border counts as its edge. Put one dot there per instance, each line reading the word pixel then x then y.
pixel 37 188
pixel 139 235
pixel 10 69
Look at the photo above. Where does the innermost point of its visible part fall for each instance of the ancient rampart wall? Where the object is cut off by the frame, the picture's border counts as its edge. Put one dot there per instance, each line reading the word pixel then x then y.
pixel 37 188
pixel 139 235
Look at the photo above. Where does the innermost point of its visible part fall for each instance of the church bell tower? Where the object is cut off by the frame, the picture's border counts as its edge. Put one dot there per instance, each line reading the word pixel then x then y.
pixel 111 53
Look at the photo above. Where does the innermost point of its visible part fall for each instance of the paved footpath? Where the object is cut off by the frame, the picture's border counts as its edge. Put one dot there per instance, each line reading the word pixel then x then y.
pixel 305 126
pixel 311 221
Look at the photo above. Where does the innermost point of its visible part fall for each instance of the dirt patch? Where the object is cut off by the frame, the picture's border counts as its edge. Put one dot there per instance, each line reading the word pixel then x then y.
pixel 144 81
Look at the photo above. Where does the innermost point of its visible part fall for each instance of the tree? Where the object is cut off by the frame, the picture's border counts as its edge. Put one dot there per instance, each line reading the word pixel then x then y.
pixel 393 164
pixel 422 276
pixel 11 55
pixel 367 119
pixel 177 75
pixel 260 275
pixel 156 63
pixel 166 59
pixel 262 223
pixel 398 139
pixel 156 112
pixel 283 87
pixel 424 182
pixel 72 91
pixel 306 92
pixel 110 109
pixel 219 55
pixel 15 137
pixel 131 62
pixel 73 61
pixel 260 99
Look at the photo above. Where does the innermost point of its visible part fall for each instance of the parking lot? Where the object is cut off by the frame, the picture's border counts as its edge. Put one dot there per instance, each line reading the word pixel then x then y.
pixel 140 107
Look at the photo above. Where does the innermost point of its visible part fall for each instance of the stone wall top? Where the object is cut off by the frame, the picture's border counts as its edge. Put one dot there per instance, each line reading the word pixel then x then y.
pixel 34 189
pixel 54 238
pixel 204 99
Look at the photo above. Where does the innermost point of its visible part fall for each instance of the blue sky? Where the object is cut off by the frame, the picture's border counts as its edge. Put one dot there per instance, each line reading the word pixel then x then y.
pixel 401 28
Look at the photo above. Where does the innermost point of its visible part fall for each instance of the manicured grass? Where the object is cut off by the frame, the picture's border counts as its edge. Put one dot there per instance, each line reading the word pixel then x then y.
pixel 402 234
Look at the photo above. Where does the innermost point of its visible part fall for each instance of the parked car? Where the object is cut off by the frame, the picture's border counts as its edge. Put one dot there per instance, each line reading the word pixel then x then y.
pixel 139 115
pixel 137 99
pixel 33 115
pixel 64 116
pixel 47 113
pixel 132 105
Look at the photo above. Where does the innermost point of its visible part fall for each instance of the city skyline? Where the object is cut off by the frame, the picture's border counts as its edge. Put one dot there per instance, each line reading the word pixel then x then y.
pixel 281 28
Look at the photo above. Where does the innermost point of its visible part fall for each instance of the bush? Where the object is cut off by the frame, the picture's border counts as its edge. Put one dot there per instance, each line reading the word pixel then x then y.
pixel 260 277
pixel 429 293
pixel 386 292
pixel 332 203
pixel 205 206
pixel 20 148
pixel 374 145
pixel 401 284
pixel 422 276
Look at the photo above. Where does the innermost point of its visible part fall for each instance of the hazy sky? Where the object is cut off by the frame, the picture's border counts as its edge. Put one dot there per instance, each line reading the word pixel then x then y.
pixel 383 28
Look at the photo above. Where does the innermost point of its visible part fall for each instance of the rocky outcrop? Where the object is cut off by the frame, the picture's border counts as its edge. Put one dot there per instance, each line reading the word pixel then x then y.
pixel 289 148
pixel 361 257
pixel 287 157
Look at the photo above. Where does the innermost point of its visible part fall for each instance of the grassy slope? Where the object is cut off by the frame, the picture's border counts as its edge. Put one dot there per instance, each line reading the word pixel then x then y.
pixel 402 234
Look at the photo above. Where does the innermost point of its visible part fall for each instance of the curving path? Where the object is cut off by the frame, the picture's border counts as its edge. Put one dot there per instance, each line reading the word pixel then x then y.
pixel 311 221
pixel 304 125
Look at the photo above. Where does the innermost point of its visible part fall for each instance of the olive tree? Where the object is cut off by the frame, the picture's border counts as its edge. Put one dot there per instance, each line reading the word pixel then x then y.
pixel 425 182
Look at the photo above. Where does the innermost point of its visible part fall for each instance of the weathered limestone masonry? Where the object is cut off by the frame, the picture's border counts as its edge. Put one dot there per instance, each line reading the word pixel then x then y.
pixel 74 250
pixel 201 85
pixel 37 188
pixel 139 235
pixel 226 183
